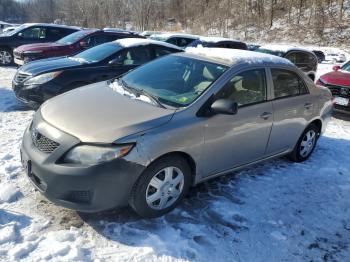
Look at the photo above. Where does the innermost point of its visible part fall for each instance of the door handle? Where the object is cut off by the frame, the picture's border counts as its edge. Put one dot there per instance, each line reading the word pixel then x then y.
pixel 266 115
pixel 308 105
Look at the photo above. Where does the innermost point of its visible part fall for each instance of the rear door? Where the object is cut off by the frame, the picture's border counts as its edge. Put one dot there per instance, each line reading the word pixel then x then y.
pixel 234 140
pixel 293 109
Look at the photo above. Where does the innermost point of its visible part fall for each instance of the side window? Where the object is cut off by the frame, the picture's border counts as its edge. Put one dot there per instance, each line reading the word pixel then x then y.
pixel 53 33
pixel 182 42
pixel 173 41
pixel 161 51
pixel 95 40
pixel 34 33
pixel 135 56
pixel 110 38
pixel 287 83
pixel 248 87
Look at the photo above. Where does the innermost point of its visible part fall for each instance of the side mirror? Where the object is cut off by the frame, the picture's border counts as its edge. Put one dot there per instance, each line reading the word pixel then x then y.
pixel 224 106
pixel 20 35
pixel 115 61
pixel 83 44
pixel 336 68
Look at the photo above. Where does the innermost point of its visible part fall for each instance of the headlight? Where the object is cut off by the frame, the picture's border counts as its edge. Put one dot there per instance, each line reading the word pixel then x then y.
pixel 92 155
pixel 41 79
pixel 321 82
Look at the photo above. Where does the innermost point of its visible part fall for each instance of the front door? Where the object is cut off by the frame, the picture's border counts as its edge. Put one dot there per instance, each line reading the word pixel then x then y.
pixel 234 140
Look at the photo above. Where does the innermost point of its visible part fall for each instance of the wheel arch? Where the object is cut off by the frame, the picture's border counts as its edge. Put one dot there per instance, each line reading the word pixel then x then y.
pixel 189 159
pixel 318 123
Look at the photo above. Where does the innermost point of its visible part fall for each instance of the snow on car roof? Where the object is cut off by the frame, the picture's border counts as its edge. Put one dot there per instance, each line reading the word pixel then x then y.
pixel 235 56
pixel 130 42
pixel 168 35
pixel 211 39
pixel 283 48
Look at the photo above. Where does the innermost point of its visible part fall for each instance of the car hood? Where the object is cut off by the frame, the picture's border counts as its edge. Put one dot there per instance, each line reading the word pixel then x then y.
pixel 4 38
pixel 340 77
pixel 98 114
pixel 49 65
pixel 38 47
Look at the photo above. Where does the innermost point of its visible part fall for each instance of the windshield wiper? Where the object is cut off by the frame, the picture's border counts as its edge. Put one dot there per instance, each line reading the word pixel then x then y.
pixel 139 92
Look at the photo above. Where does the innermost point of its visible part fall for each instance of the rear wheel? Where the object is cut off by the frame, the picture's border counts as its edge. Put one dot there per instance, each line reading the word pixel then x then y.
pixel 161 187
pixel 306 144
pixel 6 56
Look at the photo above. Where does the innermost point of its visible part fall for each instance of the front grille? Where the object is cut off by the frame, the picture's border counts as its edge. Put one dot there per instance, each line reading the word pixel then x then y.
pixel 342 91
pixel 43 143
pixel 20 77
pixel 83 197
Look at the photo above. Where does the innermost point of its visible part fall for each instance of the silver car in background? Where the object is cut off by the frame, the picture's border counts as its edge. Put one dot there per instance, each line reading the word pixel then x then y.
pixel 145 138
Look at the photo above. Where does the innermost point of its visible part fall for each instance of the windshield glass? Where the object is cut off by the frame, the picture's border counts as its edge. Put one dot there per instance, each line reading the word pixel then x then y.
pixel 72 38
pixel 16 30
pixel 174 80
pixel 346 67
pixel 97 53
pixel 270 52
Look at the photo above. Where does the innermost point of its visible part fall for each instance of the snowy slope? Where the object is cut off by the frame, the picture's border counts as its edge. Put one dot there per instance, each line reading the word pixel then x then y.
pixel 277 211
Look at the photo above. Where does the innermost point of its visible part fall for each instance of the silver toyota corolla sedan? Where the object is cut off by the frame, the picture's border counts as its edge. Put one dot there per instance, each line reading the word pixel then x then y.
pixel 145 138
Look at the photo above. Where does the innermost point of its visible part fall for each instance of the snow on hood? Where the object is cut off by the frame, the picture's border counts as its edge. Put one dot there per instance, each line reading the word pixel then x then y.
pixel 131 42
pixel 118 88
pixel 166 36
pixel 210 39
pixel 235 56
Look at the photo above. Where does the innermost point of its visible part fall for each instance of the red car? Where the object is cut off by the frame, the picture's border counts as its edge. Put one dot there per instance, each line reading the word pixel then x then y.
pixel 338 82
pixel 69 45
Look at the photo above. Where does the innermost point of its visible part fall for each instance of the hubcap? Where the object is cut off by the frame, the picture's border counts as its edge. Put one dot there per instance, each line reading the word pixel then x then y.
pixel 308 143
pixel 165 188
pixel 5 57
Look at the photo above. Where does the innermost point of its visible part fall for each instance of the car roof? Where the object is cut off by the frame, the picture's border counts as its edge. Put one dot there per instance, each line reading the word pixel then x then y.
pixel 168 35
pixel 53 25
pixel 212 39
pixel 232 57
pixel 284 48
pixel 132 42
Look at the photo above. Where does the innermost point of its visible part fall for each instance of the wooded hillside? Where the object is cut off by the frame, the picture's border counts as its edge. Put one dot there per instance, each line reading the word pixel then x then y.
pixel 320 22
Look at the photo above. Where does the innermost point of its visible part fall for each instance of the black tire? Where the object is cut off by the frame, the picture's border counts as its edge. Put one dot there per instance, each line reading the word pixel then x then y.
pixel 138 194
pixel 8 51
pixel 296 155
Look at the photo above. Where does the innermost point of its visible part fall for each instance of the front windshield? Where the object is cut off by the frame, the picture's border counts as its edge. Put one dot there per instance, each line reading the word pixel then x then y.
pixel 97 53
pixel 72 38
pixel 270 52
pixel 346 67
pixel 16 30
pixel 174 80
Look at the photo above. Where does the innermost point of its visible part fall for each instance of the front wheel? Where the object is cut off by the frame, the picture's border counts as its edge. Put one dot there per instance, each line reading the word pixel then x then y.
pixel 306 144
pixel 161 187
pixel 6 56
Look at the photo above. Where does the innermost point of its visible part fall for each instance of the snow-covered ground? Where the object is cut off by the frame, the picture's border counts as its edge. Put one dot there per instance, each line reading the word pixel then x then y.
pixel 277 211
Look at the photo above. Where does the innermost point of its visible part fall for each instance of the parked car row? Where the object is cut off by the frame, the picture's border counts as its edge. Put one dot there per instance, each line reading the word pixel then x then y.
pixel 38 81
